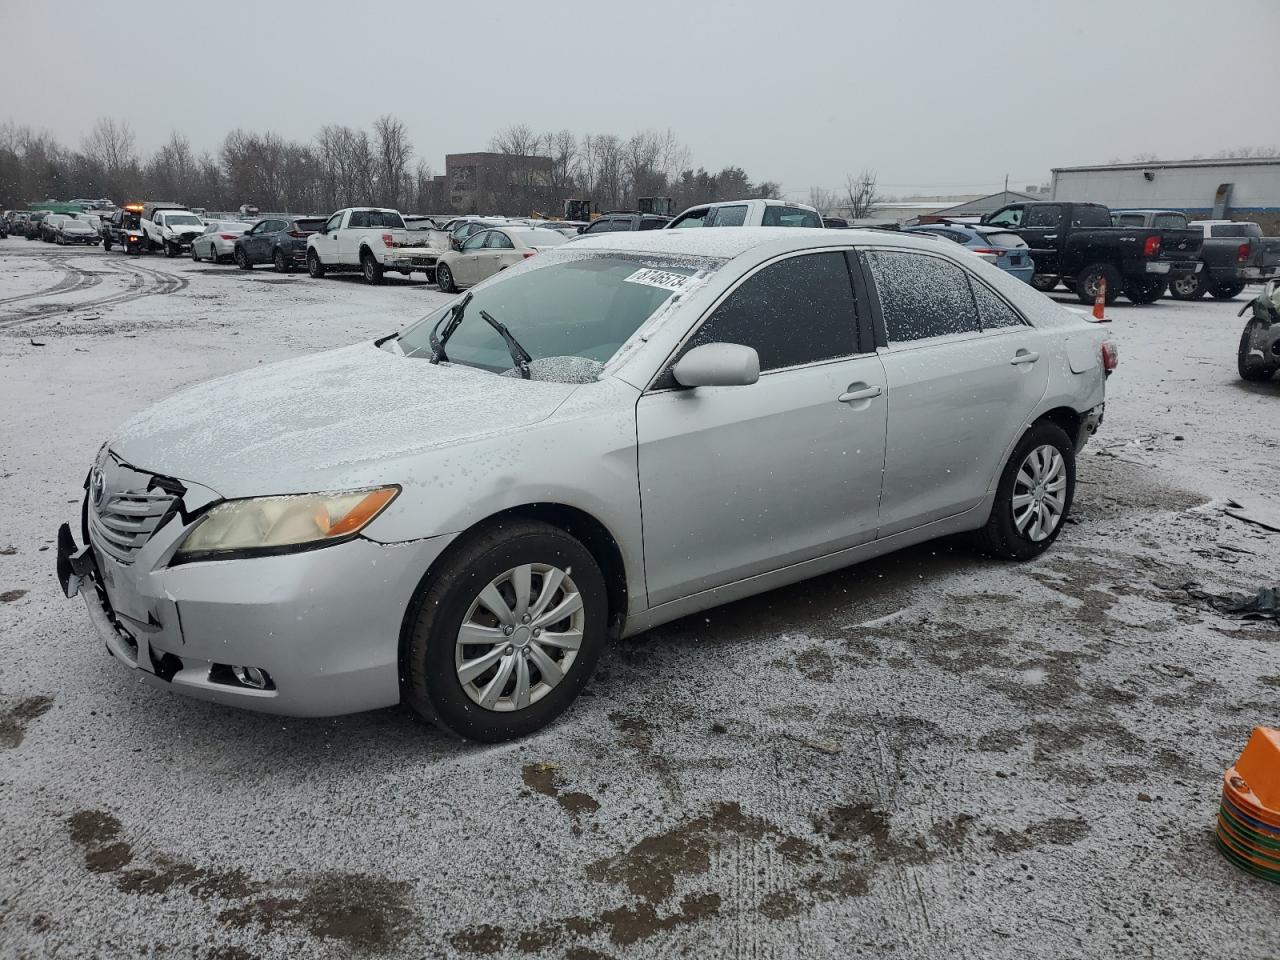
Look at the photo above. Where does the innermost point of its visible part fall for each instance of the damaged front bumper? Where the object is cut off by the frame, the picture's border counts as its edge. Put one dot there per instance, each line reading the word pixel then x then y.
pixel 322 626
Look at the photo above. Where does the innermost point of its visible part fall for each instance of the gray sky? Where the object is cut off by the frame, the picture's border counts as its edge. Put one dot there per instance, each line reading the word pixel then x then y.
pixel 935 96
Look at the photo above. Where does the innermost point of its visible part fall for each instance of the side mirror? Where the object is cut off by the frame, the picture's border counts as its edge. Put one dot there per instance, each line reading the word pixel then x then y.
pixel 718 365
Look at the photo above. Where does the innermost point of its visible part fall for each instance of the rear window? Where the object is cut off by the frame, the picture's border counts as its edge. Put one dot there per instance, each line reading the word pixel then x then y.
pixel 1169 221
pixel 311 225
pixel 1004 240
pixel 790 217
pixel 1235 230
pixel 377 218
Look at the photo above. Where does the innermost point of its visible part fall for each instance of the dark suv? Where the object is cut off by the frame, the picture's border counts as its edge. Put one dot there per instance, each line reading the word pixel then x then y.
pixel 620 221
pixel 281 241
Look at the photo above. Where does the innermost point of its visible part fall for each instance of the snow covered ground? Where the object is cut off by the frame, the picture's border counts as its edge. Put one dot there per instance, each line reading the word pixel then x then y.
pixel 930 755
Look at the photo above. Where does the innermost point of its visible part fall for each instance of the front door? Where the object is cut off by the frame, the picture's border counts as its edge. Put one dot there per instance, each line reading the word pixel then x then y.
pixel 326 242
pixel 1042 230
pixel 964 373
pixel 739 481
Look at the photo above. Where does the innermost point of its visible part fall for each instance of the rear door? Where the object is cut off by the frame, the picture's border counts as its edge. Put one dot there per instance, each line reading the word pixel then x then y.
pixel 739 481
pixel 467 267
pixel 964 374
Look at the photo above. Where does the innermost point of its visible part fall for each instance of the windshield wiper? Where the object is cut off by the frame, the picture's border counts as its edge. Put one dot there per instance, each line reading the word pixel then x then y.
pixel 518 353
pixel 455 318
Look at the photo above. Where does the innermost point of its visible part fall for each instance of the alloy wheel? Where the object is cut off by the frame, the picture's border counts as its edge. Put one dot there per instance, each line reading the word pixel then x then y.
pixel 520 637
pixel 1039 493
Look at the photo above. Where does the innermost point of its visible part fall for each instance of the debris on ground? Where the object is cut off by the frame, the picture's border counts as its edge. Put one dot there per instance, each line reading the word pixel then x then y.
pixel 1263 605
pixel 1257 510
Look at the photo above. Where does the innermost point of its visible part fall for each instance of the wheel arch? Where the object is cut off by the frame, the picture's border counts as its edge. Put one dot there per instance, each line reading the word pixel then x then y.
pixel 578 523
pixel 1066 418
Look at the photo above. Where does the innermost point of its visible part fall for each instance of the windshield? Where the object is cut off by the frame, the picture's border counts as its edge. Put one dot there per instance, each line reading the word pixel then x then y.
pixel 571 315
pixel 182 219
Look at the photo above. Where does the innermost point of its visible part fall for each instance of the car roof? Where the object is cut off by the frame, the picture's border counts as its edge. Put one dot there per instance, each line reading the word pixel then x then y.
pixel 767 201
pixel 728 242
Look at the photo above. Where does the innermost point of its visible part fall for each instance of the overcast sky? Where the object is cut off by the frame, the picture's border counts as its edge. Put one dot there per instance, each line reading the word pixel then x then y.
pixel 935 96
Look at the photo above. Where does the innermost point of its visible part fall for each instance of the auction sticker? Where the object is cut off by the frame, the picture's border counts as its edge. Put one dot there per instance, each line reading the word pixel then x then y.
pixel 660 278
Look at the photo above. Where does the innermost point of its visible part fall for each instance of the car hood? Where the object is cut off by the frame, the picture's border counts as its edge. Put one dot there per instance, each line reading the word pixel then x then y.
pixel 336 420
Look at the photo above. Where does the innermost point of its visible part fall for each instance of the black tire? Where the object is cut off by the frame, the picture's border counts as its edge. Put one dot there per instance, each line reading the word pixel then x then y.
pixel 430 680
pixel 278 261
pixel 171 249
pixel 1044 282
pixel 106 244
pixel 1087 281
pixel 1227 290
pixel 195 256
pixel 1187 286
pixel 370 269
pixel 242 259
pixel 1147 290
pixel 444 279
pixel 1000 537
pixel 1253 368
pixel 315 268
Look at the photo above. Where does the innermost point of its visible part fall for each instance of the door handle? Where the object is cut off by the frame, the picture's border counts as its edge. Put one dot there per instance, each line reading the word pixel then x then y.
pixel 859 391
pixel 1051 236
pixel 1025 356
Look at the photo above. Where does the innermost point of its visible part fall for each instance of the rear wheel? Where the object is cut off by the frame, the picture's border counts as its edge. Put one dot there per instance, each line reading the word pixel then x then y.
pixel 1089 282
pixel 1034 496
pixel 315 268
pixel 242 259
pixel 505 634
pixel 1251 361
pixel 1226 291
pixel 1147 290
pixel 370 268
pixel 444 279
pixel 1187 286
pixel 1044 282
pixel 278 260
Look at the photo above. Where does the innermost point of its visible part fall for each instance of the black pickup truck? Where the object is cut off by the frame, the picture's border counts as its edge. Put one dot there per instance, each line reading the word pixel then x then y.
pixel 1076 242
pixel 124 230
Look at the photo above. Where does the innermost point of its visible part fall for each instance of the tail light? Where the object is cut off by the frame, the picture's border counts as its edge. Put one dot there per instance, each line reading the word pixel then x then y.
pixel 987 250
pixel 529 253
pixel 1152 247
pixel 227 236
pixel 1110 356
pixel 1242 253
pixel 388 240
pixel 301 234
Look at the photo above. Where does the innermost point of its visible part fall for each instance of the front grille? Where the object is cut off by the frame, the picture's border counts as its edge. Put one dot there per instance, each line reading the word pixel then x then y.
pixel 125 520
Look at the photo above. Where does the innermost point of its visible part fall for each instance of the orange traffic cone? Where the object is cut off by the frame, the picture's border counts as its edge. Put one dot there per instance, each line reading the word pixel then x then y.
pixel 1100 303
pixel 1248 825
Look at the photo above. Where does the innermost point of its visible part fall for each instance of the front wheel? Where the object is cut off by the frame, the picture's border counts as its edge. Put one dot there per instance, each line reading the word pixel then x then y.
pixel 1226 291
pixel 242 259
pixel 106 244
pixel 1034 496
pixel 1187 286
pixel 1251 361
pixel 171 249
pixel 1089 282
pixel 506 633
pixel 315 269
pixel 444 279
pixel 1147 290
pixel 195 256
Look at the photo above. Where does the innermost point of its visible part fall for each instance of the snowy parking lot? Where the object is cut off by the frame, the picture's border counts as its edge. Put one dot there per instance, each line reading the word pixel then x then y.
pixel 928 755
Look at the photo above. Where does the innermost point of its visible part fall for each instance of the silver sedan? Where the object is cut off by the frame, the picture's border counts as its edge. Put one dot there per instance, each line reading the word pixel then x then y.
pixel 217 243
pixel 451 515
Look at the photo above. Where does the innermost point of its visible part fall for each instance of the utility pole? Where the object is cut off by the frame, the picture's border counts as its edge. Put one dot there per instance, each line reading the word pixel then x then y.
pixel 1006 189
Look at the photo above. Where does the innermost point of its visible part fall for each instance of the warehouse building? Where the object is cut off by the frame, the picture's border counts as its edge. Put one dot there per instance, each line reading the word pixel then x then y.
pixel 1246 189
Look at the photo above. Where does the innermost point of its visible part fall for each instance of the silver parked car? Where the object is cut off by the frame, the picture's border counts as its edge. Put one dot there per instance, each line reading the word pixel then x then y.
pixel 451 515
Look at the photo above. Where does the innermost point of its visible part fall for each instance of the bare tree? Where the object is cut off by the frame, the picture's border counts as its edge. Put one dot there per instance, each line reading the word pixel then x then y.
pixel 862 194
pixel 393 153
pixel 112 145
pixel 822 199
pixel 1246 152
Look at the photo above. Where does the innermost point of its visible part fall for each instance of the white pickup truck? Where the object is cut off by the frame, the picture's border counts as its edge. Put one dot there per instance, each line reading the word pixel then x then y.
pixel 170 227
pixel 373 240
pixel 747 213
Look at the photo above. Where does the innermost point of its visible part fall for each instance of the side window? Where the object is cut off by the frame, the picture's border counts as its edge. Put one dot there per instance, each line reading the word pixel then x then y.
pixel 734 216
pixel 1050 215
pixel 798 310
pixel 499 241
pixel 332 223
pixel 359 218
pixel 921 296
pixel 476 242
pixel 694 218
pixel 652 223
pixel 1007 218
pixel 992 309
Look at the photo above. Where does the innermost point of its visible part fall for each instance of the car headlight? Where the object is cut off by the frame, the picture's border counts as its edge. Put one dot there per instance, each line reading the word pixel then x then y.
pixel 268 525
